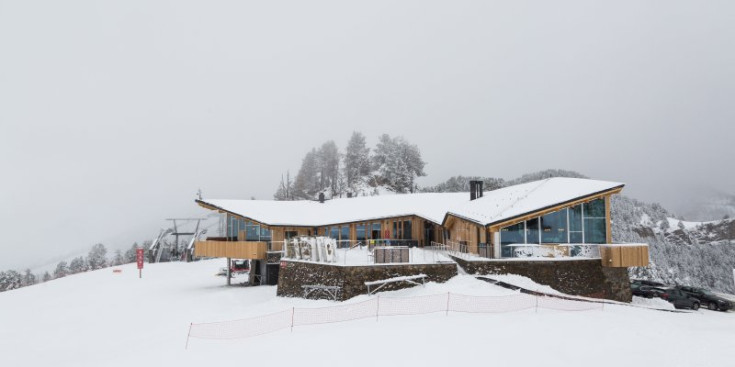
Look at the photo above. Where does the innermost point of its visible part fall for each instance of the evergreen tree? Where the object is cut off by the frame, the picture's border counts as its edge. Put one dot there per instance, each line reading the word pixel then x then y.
pixel 62 270
pixel 29 278
pixel 78 265
pixel 117 259
pixel 97 257
pixel 46 277
pixel 356 161
pixel 328 161
pixel 130 256
pixel 398 163
pixel 306 185
pixel 10 280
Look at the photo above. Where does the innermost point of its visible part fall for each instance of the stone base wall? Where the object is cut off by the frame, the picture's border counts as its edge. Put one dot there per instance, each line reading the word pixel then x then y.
pixel 351 279
pixel 576 277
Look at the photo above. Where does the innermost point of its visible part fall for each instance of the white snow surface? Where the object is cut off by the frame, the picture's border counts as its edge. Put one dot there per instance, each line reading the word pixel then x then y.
pixel 102 318
pixel 494 206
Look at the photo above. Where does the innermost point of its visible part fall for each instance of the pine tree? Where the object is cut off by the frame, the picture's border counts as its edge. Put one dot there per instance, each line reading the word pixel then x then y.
pixel 117 259
pixel 398 163
pixel 130 256
pixel 46 277
pixel 78 265
pixel 356 160
pixel 10 280
pixel 62 270
pixel 97 257
pixel 306 185
pixel 328 162
pixel 29 278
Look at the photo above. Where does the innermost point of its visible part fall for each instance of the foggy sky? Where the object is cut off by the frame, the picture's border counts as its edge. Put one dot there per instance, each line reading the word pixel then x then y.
pixel 113 115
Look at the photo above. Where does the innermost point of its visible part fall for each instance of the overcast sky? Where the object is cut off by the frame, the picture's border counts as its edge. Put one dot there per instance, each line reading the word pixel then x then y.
pixel 113 114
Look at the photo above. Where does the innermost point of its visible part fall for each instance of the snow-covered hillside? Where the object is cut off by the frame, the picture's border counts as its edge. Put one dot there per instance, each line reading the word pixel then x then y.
pixel 102 318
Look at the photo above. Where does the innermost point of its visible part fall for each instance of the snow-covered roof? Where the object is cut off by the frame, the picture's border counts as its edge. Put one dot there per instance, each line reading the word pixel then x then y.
pixel 495 206
pixel 513 201
pixel 431 206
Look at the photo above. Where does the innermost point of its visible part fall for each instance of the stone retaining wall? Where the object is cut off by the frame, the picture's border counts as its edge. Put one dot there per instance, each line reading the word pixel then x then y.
pixel 351 279
pixel 576 277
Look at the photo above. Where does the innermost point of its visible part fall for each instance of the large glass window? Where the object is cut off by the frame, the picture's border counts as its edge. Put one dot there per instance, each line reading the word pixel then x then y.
pixel 334 232
pixel 554 227
pixel 265 234
pixel 252 232
pixel 532 232
pixel 345 233
pixel 595 222
pixel 575 224
pixel 407 230
pixel 510 235
pixel 360 232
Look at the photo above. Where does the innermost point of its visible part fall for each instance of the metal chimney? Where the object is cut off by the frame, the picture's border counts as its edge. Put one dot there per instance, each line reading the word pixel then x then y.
pixel 321 197
pixel 475 190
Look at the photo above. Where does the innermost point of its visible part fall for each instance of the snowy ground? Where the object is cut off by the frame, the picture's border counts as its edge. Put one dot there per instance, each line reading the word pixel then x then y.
pixel 101 318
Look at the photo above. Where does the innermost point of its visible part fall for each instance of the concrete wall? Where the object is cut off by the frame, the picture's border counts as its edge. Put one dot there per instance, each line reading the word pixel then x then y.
pixel 576 277
pixel 351 279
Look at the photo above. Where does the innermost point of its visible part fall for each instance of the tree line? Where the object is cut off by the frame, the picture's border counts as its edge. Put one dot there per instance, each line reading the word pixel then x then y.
pixel 95 259
pixel 393 164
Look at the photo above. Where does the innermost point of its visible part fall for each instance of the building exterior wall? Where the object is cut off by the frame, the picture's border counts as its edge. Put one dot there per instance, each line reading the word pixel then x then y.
pixel 576 277
pixel 351 279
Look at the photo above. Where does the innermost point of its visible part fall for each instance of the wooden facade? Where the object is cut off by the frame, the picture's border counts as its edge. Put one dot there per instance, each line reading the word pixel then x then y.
pixel 623 256
pixel 231 249
pixel 423 232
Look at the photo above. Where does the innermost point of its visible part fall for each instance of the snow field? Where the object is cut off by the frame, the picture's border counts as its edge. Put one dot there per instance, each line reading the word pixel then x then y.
pixel 105 319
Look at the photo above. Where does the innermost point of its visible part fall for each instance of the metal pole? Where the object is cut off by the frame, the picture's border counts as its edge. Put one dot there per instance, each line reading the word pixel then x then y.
pixel 187 337
pixel 293 310
pixel 447 314
pixel 229 275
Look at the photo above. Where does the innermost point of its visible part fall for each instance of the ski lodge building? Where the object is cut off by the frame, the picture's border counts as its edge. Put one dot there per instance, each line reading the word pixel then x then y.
pixel 556 220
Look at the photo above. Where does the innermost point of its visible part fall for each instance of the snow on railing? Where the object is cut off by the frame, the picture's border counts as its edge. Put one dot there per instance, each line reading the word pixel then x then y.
pixel 564 250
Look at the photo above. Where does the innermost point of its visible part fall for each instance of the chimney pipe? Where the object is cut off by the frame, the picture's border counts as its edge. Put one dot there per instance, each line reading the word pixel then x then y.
pixel 321 197
pixel 475 189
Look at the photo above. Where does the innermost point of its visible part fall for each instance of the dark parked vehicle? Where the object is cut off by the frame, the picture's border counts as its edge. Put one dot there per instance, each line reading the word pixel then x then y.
pixel 645 288
pixel 707 298
pixel 679 298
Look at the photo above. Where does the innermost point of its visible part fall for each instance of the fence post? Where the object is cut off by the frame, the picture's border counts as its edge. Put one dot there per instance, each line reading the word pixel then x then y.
pixel 537 304
pixel 293 310
pixel 187 337
pixel 377 309
pixel 447 314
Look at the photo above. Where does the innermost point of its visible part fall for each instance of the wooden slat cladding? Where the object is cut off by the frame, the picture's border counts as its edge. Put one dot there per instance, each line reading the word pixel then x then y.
pixel 623 256
pixel 230 249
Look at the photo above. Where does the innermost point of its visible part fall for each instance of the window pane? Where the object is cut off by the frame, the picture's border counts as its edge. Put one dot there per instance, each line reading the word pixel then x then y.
pixel 510 235
pixel 595 209
pixel 575 218
pixel 334 232
pixel 252 232
pixel 532 231
pixel 265 234
pixel 407 230
pixel 594 230
pixel 554 227
pixel 345 233
pixel 575 237
pixel 360 232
